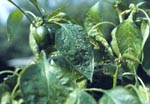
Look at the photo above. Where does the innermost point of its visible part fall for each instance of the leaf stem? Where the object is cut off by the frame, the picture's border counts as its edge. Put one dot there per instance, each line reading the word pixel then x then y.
pixel 39 11
pixel 28 12
pixel 115 76
pixel 22 12
pixel 95 89
pixel 101 23
pixel 15 89
pixel 8 71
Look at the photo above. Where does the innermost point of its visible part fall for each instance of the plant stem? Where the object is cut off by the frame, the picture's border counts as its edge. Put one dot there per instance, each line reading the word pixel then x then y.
pixel 22 12
pixel 39 11
pixel 95 89
pixel 115 76
pixel 15 89
pixel 9 71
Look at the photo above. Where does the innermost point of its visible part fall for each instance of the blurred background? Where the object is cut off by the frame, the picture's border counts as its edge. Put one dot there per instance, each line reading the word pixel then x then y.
pixel 17 51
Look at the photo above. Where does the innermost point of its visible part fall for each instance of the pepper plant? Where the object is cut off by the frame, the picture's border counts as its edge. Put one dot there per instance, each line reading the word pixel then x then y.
pixel 70 58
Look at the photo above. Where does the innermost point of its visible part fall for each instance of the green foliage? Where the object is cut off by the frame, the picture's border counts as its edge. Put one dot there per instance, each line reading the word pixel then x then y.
pixel 46 83
pixel 114 43
pixel 98 31
pixel 34 2
pixel 130 47
pixel 146 59
pixel 79 96
pixel 69 57
pixel 119 95
pixel 13 23
pixel 72 42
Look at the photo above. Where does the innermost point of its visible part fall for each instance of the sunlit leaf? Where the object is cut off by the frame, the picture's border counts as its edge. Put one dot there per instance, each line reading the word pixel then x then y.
pixel 119 95
pixel 73 44
pixel 13 23
pixel 42 83
pixel 79 96
pixel 129 40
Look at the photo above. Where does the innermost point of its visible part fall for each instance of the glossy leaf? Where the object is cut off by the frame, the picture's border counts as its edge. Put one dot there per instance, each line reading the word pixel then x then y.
pixel 119 95
pixel 42 83
pixel 13 23
pixel 129 40
pixel 79 96
pixel 73 44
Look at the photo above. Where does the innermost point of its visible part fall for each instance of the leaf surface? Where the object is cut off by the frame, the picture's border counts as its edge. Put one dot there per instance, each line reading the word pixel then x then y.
pixel 13 23
pixel 72 42
pixel 119 95
pixel 98 31
pixel 42 83
pixel 145 32
pixel 129 40
pixel 114 44
pixel 79 96
pixel 146 59
pixel 34 2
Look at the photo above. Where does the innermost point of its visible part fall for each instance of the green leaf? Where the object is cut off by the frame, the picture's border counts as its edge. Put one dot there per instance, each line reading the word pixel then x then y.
pixel 56 12
pixel 34 2
pixel 99 24
pixel 146 59
pixel 61 62
pixel 72 42
pixel 13 23
pixel 144 94
pixel 42 83
pixel 32 42
pixel 79 96
pixel 4 94
pixel 145 32
pixel 129 40
pixel 102 11
pixel 119 95
pixel 114 44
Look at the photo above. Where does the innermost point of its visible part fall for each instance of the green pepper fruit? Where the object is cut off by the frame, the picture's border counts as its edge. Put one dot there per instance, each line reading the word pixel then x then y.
pixel 41 38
